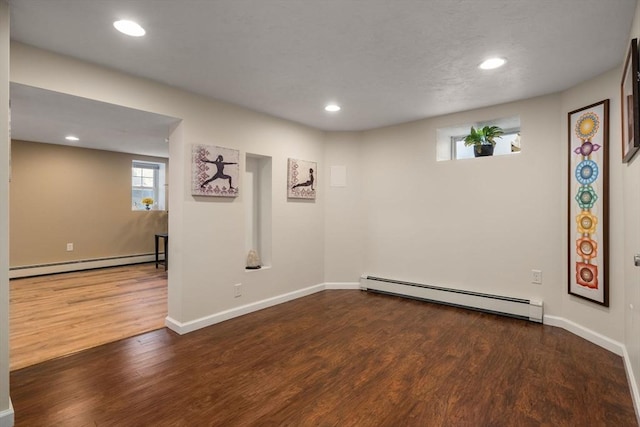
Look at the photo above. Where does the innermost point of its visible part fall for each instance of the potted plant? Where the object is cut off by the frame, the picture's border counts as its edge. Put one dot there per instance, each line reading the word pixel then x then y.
pixel 483 140
pixel 147 202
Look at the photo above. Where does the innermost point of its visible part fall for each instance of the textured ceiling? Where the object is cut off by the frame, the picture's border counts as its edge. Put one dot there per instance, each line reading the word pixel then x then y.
pixel 383 61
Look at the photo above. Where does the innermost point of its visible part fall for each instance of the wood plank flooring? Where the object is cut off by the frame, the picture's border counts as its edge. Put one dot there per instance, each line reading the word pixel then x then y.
pixel 336 358
pixel 60 314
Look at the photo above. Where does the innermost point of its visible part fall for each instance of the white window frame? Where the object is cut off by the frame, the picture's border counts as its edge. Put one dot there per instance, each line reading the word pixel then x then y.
pixel 158 185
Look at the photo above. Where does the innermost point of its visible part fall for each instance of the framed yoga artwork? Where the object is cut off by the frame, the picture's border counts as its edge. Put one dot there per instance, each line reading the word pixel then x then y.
pixel 214 171
pixel 588 198
pixel 629 95
pixel 301 179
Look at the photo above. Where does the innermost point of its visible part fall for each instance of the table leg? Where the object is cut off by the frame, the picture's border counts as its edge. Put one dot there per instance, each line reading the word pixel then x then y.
pixel 166 252
pixel 156 251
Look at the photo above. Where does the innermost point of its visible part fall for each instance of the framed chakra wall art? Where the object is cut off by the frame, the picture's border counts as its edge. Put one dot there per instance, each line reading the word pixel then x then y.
pixel 630 109
pixel 214 171
pixel 301 179
pixel 589 202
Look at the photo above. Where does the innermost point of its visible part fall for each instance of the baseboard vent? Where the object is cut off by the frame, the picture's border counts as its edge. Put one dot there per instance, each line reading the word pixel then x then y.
pixel 79 265
pixel 497 304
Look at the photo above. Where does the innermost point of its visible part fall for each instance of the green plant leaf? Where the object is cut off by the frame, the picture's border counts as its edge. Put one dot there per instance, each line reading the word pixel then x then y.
pixel 484 136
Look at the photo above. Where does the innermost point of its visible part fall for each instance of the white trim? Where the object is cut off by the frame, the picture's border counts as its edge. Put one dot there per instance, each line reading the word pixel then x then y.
pixel 342 285
pixel 7 416
pixel 203 322
pixel 589 335
pixel 65 267
pixel 633 385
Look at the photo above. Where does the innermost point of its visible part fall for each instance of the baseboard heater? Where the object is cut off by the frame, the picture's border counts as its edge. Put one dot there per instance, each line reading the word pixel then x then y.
pixel 79 265
pixel 497 304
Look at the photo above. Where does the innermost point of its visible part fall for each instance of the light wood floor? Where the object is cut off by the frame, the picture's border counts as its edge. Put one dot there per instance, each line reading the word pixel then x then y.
pixel 336 358
pixel 61 314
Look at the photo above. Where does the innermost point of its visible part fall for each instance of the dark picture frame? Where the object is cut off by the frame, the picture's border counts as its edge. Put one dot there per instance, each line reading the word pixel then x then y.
pixel 629 93
pixel 588 203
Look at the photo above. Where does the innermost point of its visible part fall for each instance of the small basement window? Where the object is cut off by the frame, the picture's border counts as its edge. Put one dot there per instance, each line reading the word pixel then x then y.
pixel 507 144
pixel 450 140
pixel 147 182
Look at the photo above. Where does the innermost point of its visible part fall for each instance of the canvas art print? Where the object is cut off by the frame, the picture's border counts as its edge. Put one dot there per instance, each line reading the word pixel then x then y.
pixel 301 179
pixel 215 171
pixel 588 202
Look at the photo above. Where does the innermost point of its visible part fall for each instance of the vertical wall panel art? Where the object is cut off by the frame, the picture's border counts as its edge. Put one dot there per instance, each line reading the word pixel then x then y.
pixel 301 179
pixel 589 202
pixel 214 171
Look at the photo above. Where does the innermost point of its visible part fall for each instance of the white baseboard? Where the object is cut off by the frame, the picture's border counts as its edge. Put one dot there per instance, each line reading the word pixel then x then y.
pixel 633 385
pixel 65 267
pixel 589 335
pixel 203 322
pixel 7 416
pixel 606 343
pixel 342 285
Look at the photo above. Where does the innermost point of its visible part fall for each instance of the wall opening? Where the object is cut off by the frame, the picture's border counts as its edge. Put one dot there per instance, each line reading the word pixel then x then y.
pixel 257 193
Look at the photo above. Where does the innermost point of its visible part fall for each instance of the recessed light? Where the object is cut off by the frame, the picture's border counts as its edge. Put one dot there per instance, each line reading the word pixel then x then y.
pixel 72 138
pixel 492 63
pixel 332 108
pixel 129 28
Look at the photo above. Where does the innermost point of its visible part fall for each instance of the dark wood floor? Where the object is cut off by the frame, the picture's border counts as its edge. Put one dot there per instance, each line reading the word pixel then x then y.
pixel 337 358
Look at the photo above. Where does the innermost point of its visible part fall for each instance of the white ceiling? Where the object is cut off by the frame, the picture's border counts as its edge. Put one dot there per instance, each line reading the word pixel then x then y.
pixel 45 116
pixel 383 61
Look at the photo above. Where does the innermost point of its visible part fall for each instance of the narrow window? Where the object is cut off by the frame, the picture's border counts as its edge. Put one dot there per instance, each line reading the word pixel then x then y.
pixel 147 185
pixel 450 140
pixel 507 144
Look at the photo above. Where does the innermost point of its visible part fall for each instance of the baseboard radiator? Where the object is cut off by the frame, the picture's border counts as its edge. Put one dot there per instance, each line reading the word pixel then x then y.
pixel 497 304
pixel 79 265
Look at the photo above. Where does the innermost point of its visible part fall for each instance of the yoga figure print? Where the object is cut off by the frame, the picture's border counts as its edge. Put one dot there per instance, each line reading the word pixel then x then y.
pixel 308 183
pixel 220 164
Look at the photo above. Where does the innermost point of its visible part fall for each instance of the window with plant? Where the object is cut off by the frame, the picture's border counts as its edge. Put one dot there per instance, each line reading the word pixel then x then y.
pixel 487 138
pixel 147 186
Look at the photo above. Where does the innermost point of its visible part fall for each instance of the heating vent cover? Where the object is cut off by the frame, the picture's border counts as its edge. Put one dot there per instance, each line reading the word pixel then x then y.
pixel 497 304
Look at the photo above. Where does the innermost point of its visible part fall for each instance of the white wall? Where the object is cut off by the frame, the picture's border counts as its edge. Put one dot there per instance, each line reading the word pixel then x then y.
pixel 6 413
pixel 344 217
pixel 207 242
pixel 480 224
pixel 630 175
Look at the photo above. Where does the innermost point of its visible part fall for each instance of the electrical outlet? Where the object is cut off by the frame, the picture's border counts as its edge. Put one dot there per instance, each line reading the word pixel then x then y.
pixel 69 247
pixel 237 290
pixel 536 276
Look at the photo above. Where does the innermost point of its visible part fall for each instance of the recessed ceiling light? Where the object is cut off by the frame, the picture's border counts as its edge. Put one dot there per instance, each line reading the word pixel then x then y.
pixel 72 138
pixel 129 28
pixel 332 108
pixel 492 63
